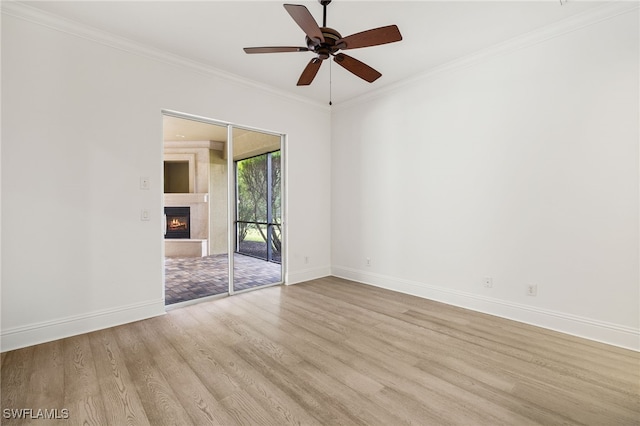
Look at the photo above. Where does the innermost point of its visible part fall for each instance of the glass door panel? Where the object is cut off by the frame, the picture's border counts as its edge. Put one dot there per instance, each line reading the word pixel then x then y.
pixel 196 197
pixel 257 259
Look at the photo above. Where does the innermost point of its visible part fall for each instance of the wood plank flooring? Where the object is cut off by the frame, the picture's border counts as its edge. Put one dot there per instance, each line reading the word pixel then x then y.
pixel 326 352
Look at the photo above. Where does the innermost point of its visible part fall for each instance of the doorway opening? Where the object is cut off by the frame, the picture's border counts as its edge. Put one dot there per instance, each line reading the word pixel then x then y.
pixel 212 176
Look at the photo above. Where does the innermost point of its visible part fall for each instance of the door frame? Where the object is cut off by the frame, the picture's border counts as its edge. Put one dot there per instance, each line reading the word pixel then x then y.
pixel 231 212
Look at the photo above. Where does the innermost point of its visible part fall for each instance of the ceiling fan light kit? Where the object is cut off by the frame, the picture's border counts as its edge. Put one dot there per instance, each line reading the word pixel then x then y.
pixel 325 42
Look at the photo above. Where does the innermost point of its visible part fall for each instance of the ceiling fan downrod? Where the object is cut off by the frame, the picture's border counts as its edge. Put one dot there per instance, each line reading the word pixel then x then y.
pixel 324 4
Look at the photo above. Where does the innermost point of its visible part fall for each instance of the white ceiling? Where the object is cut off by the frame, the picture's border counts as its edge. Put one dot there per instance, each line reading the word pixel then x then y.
pixel 213 33
pixel 178 129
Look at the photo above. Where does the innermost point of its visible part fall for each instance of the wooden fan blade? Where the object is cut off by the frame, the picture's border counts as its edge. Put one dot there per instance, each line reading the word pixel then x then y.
pixel 374 37
pixel 275 49
pixel 358 68
pixel 309 72
pixel 305 20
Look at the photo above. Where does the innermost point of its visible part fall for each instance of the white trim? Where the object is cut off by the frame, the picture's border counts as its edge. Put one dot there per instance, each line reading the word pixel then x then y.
pixel 78 29
pixel 193 117
pixel 600 331
pixel 570 24
pixel 46 331
pixel 307 275
pixel 231 208
pixel 284 204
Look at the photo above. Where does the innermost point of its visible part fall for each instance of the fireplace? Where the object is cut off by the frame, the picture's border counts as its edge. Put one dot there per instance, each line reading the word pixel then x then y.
pixel 178 222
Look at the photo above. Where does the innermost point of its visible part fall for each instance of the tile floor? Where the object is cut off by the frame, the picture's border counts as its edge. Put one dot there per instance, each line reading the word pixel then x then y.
pixel 195 277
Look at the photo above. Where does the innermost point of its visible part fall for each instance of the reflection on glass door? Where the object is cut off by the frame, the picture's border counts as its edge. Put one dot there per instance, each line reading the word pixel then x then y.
pixel 258 213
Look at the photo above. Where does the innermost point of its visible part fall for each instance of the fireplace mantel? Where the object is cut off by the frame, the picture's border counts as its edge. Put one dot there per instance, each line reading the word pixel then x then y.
pixel 185 198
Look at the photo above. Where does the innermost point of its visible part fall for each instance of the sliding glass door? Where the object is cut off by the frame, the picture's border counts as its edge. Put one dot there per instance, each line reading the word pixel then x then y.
pixel 222 207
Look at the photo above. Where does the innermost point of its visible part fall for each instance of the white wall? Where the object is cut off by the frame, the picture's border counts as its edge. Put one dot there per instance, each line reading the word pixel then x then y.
pixel 522 167
pixel 81 124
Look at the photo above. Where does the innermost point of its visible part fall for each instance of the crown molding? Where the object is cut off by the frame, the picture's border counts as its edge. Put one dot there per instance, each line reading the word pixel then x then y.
pixel 75 28
pixel 557 29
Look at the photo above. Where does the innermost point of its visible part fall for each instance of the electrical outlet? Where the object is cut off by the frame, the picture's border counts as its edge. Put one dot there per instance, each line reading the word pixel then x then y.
pixel 532 289
pixel 488 282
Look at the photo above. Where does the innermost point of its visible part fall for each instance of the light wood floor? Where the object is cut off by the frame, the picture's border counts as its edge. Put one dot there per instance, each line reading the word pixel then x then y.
pixel 325 352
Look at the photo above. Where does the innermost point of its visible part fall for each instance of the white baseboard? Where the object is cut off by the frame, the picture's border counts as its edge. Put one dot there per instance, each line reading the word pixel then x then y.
pixel 600 331
pixel 33 334
pixel 307 275
pixel 614 334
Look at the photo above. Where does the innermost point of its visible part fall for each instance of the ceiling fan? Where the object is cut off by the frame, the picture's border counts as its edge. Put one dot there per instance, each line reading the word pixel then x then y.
pixel 326 42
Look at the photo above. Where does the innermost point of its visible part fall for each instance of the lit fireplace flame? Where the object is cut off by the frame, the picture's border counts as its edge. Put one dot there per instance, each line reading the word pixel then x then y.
pixel 177 224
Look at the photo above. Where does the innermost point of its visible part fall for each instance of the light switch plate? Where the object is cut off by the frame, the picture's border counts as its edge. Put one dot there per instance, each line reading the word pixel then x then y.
pixel 145 183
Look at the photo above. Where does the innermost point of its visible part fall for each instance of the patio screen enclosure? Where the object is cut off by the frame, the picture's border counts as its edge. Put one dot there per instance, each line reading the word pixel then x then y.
pixel 258 213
